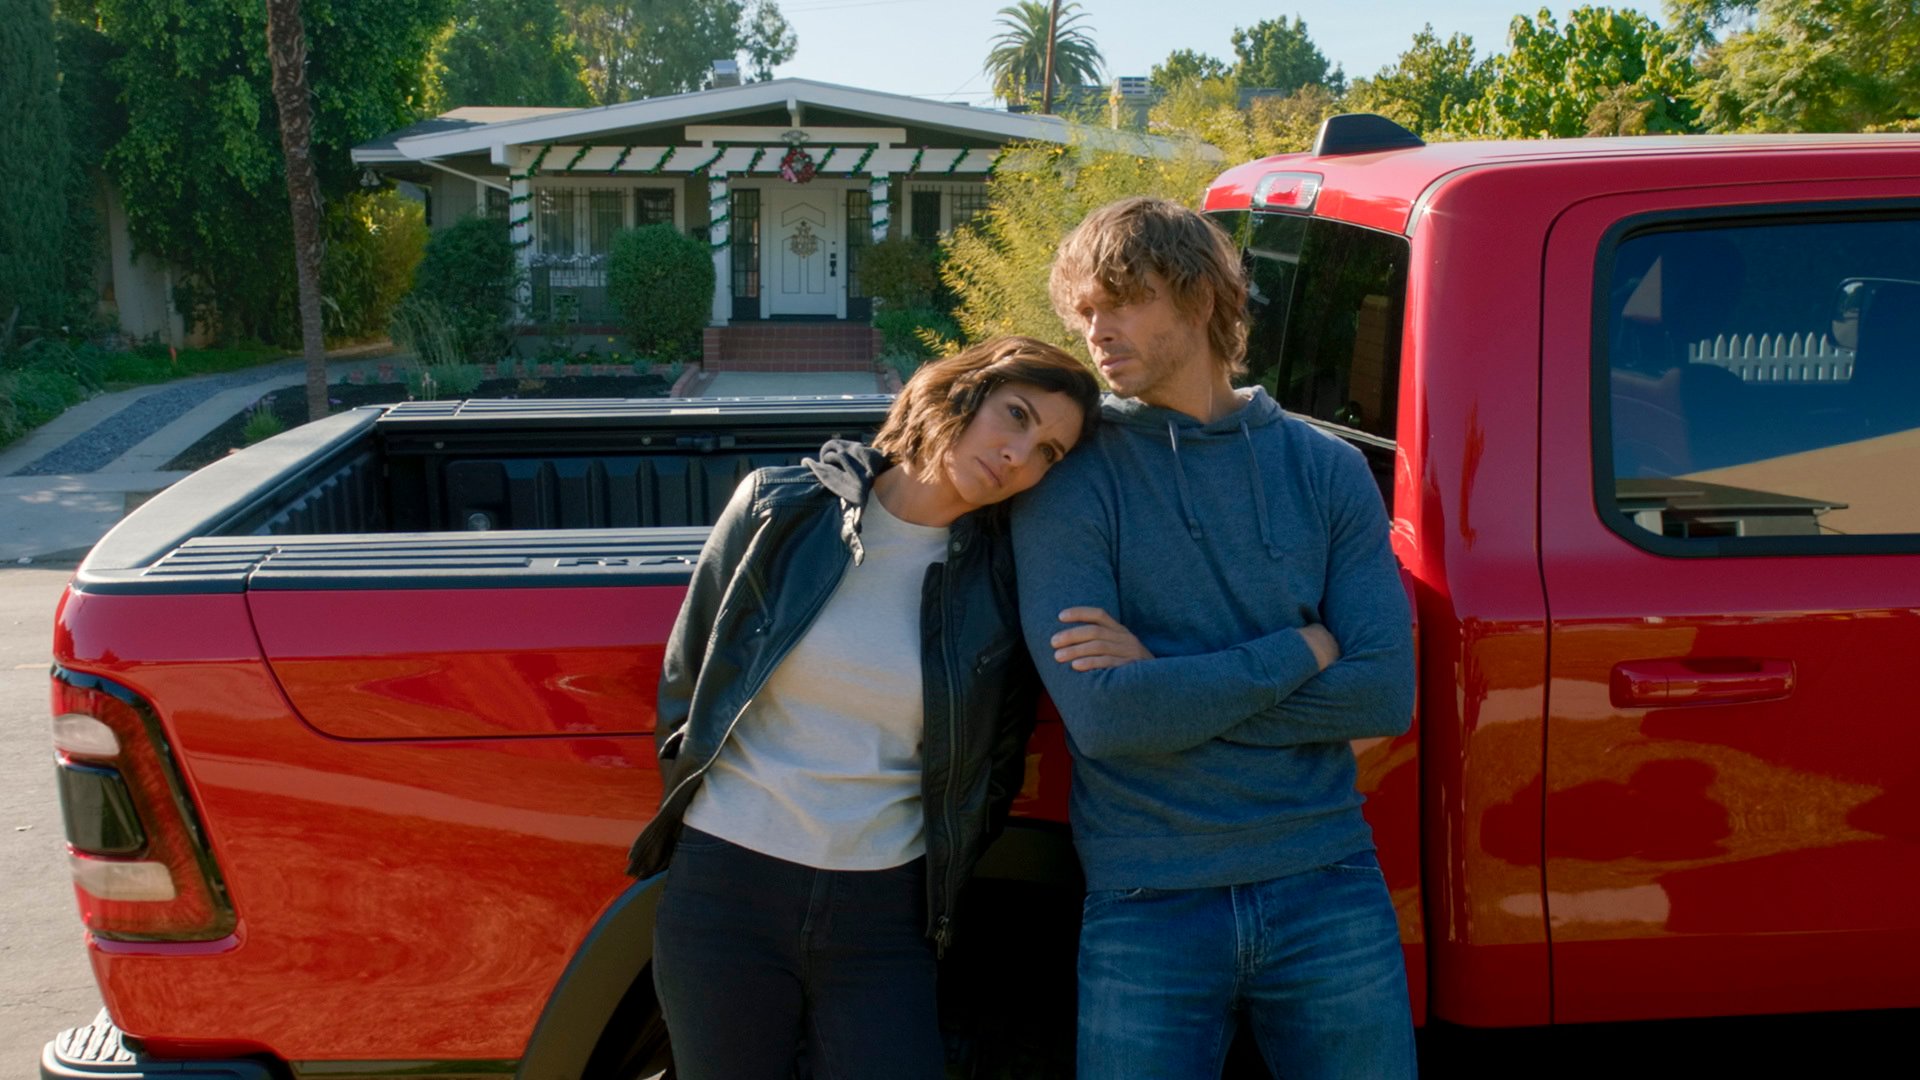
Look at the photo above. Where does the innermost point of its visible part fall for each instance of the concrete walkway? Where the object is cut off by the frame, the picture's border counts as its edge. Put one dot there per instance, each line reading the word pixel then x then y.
pixel 56 517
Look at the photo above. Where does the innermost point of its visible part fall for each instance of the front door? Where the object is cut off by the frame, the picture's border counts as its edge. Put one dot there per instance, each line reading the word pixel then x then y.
pixel 804 257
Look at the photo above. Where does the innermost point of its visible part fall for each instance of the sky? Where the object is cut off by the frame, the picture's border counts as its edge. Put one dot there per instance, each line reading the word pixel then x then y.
pixel 934 48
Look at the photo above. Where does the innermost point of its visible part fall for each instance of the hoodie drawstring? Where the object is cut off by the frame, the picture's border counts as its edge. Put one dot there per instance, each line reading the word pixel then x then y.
pixel 1180 481
pixel 1259 493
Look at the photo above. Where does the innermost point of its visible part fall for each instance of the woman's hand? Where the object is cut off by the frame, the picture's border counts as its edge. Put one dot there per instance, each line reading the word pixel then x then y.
pixel 1096 641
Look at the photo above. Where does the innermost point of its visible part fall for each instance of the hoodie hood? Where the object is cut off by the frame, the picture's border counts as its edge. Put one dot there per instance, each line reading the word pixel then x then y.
pixel 847 468
pixel 1257 410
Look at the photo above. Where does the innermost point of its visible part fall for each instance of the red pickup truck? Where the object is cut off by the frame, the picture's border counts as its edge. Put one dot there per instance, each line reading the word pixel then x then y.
pixel 352 727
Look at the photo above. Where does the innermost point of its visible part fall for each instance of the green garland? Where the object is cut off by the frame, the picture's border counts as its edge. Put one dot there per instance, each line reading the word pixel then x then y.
pixel 914 165
pixel 538 160
pixel 662 163
pixel 519 221
pixel 860 166
pixel 958 158
pixel 577 155
pixel 821 165
pixel 757 155
pixel 707 164
pixel 514 200
pixel 625 151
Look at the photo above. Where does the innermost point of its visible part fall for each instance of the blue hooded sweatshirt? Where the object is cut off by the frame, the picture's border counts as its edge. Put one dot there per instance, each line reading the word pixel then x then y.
pixel 1224 760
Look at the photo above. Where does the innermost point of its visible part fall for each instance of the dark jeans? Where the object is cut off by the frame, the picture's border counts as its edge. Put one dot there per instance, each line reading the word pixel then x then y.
pixel 1312 961
pixel 755 957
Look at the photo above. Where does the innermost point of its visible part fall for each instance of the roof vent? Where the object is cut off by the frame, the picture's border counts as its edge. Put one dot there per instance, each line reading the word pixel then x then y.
pixel 1361 133
pixel 725 73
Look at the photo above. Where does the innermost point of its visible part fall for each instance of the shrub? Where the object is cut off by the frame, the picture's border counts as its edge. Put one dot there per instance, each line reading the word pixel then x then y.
pixel 374 245
pixel 432 383
pixel 470 272
pixel 423 327
pixel 262 423
pixel 919 332
pixel 900 273
pixel 661 282
pixel 999 266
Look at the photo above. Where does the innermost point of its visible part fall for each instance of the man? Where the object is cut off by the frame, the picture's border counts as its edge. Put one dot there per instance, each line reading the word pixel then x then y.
pixel 1210 596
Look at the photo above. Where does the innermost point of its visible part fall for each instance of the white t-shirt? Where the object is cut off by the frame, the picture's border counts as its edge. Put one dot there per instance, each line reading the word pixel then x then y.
pixel 824 767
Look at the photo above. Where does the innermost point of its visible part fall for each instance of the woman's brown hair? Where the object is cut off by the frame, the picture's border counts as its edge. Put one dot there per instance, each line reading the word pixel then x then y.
pixel 941 399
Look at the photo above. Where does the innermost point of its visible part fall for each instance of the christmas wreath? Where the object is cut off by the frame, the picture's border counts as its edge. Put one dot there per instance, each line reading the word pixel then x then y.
pixel 797 166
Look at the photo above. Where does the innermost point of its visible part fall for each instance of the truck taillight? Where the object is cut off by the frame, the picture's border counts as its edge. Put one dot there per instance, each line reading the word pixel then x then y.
pixel 142 867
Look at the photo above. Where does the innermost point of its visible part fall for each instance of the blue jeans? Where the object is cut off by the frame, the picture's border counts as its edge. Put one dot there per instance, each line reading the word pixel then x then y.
pixel 755 958
pixel 1312 960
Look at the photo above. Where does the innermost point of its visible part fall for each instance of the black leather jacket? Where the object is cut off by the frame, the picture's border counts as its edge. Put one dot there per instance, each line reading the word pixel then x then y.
pixel 775 556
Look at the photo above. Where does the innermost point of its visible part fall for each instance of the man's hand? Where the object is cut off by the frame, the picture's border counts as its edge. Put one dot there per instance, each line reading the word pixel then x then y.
pixel 1098 641
pixel 1325 649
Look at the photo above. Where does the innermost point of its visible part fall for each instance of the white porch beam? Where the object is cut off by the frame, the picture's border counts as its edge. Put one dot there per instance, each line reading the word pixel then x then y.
pixel 836 160
pixel 708 134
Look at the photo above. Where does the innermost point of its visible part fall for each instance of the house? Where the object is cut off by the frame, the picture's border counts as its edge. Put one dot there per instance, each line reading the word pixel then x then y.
pixel 787 181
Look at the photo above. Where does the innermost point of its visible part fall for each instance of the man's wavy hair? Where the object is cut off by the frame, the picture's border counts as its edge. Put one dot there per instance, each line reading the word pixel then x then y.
pixel 1119 244
pixel 938 403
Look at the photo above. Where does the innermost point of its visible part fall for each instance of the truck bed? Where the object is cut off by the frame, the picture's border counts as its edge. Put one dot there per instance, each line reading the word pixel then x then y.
pixel 424 494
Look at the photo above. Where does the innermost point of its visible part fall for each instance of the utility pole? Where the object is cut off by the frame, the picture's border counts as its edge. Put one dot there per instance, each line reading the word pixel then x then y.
pixel 1046 80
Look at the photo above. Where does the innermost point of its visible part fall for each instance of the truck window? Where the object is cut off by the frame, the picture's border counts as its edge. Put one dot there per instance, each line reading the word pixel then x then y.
pixel 1761 379
pixel 1324 309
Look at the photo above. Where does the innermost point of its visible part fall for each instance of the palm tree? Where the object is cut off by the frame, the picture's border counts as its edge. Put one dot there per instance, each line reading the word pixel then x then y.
pixel 1019 58
pixel 287 52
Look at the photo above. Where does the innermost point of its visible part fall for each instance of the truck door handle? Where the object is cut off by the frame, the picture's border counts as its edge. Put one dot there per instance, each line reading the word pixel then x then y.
pixel 1699 681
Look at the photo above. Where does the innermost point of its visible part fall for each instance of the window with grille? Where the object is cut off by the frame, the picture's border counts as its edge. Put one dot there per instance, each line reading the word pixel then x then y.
pixel 497 204
pixel 652 206
pixel 746 244
pixel 556 219
pixel 859 235
pixel 964 205
pixel 926 216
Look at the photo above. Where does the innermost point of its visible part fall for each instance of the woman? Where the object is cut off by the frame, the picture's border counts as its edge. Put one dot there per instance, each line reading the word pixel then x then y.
pixel 843 712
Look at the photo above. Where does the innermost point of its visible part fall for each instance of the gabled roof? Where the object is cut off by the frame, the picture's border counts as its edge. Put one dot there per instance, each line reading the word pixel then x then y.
pixel 465 118
pixel 583 125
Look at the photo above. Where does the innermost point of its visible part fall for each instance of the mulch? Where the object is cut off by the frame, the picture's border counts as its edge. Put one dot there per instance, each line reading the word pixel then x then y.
pixel 290 404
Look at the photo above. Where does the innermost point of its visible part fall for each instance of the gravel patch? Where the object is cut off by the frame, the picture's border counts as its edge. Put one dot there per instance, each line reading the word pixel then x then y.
pixel 99 445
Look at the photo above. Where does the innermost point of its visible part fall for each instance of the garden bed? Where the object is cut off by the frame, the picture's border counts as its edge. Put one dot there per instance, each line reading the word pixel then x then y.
pixel 289 404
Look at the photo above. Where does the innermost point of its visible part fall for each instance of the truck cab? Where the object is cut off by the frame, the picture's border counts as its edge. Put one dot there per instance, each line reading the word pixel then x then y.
pixel 1646 414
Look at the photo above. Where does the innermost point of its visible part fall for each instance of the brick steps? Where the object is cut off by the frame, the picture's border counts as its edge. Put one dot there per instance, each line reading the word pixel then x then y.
pixel 825 346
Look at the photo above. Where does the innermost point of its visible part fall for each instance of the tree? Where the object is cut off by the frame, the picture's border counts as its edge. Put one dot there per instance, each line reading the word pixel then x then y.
pixel 1275 54
pixel 768 40
pixel 33 184
pixel 287 50
pixel 1183 66
pixel 1018 60
pixel 1425 85
pixel 200 169
pixel 1605 72
pixel 1208 111
pixel 647 48
pixel 510 52
pixel 1804 65
pixel 998 267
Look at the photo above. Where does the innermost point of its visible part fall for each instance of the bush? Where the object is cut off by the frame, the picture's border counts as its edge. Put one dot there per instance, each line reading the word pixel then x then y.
pixel 661 282
pixel 262 423
pixel 919 332
pixel 999 266
pixel 374 245
pixel 900 274
pixel 449 381
pixel 423 328
pixel 470 272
